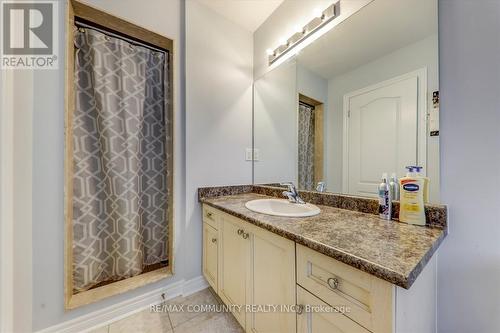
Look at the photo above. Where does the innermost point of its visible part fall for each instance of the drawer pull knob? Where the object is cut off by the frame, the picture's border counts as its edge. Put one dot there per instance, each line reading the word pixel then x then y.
pixel 333 283
pixel 245 235
pixel 300 309
pixel 214 240
pixel 209 214
pixel 240 232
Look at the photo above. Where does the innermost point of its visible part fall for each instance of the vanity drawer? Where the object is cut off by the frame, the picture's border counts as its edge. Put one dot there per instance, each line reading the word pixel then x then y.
pixel 369 300
pixel 315 318
pixel 210 215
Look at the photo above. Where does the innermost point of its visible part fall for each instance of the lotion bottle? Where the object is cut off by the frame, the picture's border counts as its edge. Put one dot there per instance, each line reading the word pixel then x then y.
pixel 418 171
pixel 384 199
pixel 411 205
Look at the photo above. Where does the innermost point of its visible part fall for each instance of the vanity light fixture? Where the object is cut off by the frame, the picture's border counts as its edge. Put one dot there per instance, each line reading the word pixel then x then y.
pixel 321 19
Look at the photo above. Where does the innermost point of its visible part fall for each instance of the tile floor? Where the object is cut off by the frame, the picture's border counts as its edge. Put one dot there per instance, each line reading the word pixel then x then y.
pixel 177 321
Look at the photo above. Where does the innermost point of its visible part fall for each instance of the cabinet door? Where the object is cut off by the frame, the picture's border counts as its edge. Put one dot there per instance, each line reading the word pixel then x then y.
pixel 271 282
pixel 323 319
pixel 233 265
pixel 210 241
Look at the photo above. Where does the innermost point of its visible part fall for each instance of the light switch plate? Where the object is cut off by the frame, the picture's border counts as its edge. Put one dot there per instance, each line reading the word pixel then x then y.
pixel 256 154
pixel 248 154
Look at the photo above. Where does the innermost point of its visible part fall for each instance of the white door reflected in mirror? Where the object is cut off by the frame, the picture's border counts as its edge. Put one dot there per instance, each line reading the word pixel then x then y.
pixel 381 131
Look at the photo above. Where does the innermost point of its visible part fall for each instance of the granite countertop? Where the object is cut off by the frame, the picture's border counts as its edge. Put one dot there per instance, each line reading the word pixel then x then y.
pixel 393 251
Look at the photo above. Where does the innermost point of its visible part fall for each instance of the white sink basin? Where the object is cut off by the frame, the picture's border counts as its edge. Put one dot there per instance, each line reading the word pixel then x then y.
pixel 282 207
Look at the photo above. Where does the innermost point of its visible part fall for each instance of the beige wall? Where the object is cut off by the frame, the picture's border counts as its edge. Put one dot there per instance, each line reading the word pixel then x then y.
pixel 470 155
pixel 16 202
pixel 218 112
pixel 275 125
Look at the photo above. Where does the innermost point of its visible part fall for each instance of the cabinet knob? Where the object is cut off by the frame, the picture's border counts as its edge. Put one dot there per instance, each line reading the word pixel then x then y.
pixel 209 214
pixel 214 240
pixel 300 309
pixel 245 235
pixel 333 283
pixel 240 232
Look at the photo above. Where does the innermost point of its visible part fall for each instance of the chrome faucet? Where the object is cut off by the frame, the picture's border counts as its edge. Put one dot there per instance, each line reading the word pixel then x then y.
pixel 321 187
pixel 292 194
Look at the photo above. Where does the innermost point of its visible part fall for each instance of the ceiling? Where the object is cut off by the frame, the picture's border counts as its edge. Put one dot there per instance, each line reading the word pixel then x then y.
pixel 382 27
pixel 249 14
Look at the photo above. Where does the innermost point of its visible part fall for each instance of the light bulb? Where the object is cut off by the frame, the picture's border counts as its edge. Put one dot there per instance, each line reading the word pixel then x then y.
pixel 318 13
pixel 282 41
pixel 269 52
pixel 298 29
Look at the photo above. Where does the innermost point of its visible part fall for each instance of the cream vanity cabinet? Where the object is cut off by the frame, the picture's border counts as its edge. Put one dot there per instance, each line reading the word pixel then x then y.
pixel 246 264
pixel 363 302
pixel 254 267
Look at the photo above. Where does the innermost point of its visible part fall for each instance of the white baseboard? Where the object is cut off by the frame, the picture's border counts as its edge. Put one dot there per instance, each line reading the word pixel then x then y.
pixel 194 285
pixel 124 309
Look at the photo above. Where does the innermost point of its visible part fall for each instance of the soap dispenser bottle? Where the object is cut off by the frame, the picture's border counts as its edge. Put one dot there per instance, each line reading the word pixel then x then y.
pixel 411 206
pixel 384 199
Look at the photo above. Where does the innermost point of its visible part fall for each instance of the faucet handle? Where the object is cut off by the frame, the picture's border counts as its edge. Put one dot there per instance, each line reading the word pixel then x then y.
pixel 292 194
pixel 321 186
pixel 290 186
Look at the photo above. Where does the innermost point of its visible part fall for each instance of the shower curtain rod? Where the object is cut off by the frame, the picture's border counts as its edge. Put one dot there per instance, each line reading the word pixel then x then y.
pixel 119 36
pixel 307 104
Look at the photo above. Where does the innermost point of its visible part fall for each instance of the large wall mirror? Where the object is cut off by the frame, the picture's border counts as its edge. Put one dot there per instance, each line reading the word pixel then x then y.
pixel 354 104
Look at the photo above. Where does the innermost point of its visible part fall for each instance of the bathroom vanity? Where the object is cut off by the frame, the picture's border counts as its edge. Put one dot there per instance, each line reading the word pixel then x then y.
pixel 361 273
pixel 349 107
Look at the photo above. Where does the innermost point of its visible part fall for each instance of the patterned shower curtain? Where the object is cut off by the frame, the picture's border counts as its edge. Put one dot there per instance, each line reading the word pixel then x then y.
pixel 306 147
pixel 120 133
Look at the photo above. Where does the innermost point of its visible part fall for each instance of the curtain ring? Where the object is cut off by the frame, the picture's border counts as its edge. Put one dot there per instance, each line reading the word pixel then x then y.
pixel 106 37
pixel 81 29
